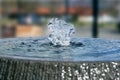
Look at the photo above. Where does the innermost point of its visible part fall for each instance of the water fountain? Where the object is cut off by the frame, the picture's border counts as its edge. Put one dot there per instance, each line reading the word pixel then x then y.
pixel 59 57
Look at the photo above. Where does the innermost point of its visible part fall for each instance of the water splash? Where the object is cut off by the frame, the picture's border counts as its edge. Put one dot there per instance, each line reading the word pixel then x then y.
pixel 60 32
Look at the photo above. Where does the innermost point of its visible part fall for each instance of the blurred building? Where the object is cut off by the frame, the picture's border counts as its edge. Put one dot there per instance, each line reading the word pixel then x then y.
pixel 46 7
pixel 37 12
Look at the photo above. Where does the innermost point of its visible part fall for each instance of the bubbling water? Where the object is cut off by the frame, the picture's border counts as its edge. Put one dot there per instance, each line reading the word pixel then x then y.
pixel 60 32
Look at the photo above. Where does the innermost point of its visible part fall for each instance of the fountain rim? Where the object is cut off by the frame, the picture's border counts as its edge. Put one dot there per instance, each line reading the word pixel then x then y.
pixel 50 60
pixel 55 61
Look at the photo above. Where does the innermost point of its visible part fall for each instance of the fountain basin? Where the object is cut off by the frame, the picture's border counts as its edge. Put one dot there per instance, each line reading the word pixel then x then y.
pixel 38 59
pixel 81 49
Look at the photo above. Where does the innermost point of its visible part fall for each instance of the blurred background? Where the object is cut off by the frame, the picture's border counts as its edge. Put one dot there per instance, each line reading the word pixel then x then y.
pixel 28 18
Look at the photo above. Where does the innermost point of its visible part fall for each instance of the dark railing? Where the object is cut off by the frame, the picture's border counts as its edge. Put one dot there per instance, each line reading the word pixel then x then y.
pixel 95 19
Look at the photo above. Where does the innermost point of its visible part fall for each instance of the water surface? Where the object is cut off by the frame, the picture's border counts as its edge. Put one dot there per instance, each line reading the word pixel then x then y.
pixel 80 49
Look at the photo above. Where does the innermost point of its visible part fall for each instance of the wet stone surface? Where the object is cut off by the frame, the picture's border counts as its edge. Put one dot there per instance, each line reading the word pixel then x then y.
pixel 15 69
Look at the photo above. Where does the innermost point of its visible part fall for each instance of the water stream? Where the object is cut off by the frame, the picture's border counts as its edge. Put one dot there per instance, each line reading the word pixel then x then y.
pixel 60 32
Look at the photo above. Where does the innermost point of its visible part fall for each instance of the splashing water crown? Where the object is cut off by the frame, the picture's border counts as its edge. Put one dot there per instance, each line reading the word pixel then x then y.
pixel 60 32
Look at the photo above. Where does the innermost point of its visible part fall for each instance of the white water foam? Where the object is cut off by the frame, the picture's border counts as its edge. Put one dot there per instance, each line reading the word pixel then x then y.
pixel 60 32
